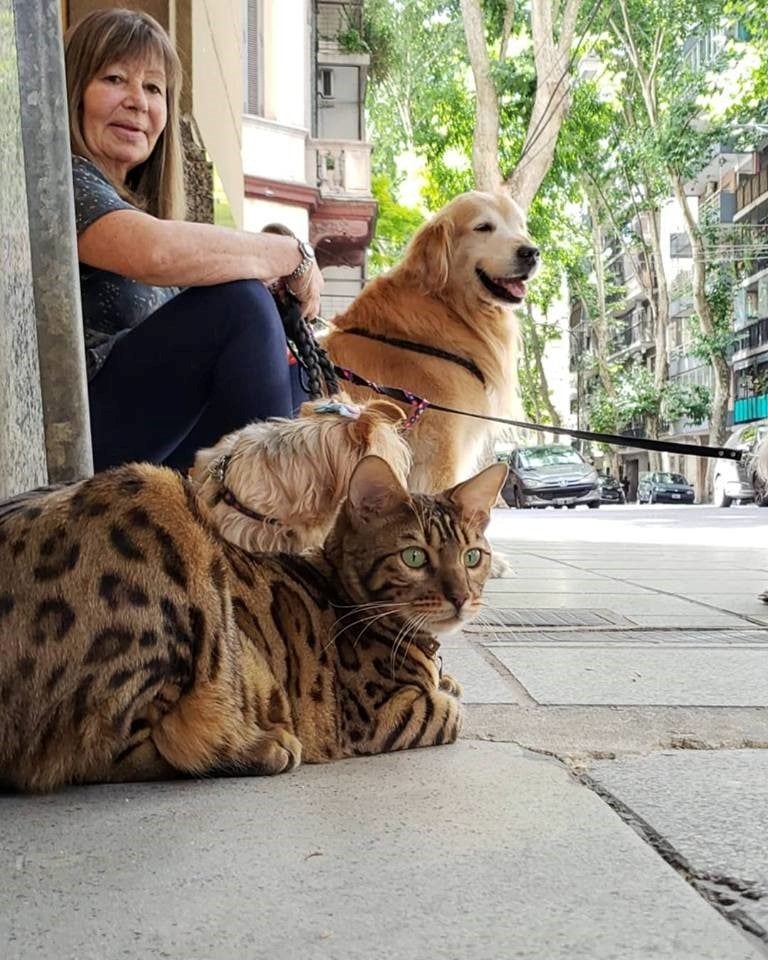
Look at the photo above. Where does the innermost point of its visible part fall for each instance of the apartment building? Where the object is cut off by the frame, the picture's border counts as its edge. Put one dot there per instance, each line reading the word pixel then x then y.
pixel 750 356
pixel 305 158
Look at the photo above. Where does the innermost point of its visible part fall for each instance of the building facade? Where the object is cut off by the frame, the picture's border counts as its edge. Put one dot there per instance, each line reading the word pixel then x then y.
pixel 305 158
pixel 729 197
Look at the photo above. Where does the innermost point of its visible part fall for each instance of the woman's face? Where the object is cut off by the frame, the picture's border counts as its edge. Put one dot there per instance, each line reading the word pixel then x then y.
pixel 124 112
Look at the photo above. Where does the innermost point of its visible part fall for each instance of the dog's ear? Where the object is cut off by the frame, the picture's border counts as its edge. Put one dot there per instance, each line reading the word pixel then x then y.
pixel 386 410
pixel 476 496
pixel 371 416
pixel 429 254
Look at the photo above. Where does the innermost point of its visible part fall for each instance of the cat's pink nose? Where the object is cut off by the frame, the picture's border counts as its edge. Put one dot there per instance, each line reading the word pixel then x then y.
pixel 458 600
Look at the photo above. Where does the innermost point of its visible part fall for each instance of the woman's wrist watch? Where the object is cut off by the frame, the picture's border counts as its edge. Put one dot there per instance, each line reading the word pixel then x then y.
pixel 307 252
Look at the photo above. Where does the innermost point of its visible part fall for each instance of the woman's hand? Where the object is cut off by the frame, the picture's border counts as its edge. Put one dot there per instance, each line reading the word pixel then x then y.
pixel 307 291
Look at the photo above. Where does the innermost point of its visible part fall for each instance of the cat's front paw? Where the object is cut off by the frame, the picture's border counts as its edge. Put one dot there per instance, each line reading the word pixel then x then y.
pixel 449 685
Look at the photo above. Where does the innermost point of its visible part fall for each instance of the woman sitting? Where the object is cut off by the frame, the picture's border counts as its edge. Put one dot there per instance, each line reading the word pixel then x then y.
pixel 183 340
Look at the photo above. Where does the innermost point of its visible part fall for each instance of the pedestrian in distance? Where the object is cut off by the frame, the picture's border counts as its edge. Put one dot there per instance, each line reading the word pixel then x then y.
pixel 184 342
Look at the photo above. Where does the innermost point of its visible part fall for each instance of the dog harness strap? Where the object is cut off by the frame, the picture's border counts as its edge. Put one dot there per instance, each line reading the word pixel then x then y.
pixel 421 348
pixel 231 501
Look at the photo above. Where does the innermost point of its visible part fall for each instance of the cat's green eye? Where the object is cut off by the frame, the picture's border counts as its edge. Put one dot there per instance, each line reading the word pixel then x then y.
pixel 414 557
pixel 472 557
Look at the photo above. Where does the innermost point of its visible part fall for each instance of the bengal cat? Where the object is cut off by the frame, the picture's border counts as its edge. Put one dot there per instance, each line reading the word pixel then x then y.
pixel 135 643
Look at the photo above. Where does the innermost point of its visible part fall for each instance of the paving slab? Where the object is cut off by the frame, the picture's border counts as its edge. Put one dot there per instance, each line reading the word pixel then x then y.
pixel 581 734
pixel 752 635
pixel 585 675
pixel 480 682
pixel 701 619
pixel 711 807
pixel 463 852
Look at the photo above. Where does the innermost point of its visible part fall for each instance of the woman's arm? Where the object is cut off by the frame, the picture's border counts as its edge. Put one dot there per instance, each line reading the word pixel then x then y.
pixel 176 253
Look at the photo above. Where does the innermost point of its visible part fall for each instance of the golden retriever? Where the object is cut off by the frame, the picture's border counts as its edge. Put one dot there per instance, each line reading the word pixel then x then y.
pixel 463 273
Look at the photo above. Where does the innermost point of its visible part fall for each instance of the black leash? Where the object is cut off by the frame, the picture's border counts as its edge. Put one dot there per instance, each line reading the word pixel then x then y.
pixel 612 439
pixel 322 373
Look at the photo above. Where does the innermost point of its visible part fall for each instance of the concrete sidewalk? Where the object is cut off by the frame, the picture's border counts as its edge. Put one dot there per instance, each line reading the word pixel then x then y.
pixel 608 800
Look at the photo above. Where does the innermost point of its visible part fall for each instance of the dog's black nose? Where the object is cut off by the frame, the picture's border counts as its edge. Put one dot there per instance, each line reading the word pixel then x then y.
pixel 531 254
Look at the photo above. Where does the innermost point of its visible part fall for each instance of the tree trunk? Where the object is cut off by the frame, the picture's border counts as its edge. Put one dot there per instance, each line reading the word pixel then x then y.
pixel 661 304
pixel 600 321
pixel 718 420
pixel 551 101
pixel 485 146
pixel 542 385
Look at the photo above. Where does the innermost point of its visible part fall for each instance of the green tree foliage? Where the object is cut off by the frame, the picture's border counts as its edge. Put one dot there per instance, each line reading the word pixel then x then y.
pixel 395 225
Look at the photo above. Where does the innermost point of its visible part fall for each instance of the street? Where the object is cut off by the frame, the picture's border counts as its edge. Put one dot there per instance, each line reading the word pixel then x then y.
pixel 736 526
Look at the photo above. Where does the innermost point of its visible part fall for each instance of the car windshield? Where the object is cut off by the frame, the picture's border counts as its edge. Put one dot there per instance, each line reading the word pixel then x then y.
pixel 670 478
pixel 532 457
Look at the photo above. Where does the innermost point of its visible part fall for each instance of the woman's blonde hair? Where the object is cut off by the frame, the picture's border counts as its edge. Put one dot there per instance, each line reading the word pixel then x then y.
pixel 107 36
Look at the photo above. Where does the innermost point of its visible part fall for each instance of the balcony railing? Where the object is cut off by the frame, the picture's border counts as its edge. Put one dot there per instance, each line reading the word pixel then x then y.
pixel 753 336
pixel 752 188
pixel 340 168
pixel 750 408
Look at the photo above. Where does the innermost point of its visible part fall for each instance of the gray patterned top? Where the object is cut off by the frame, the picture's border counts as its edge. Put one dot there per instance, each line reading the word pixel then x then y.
pixel 112 304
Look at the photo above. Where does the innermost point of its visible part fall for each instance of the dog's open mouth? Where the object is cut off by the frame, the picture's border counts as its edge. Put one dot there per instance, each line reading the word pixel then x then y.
pixel 511 289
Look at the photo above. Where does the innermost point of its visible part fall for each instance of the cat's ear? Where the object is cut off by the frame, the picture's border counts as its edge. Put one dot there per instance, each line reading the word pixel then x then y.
pixel 374 489
pixel 477 495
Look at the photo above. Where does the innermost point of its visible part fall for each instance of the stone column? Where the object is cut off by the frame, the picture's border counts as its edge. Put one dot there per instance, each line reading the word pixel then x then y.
pixel 22 443
pixel 50 206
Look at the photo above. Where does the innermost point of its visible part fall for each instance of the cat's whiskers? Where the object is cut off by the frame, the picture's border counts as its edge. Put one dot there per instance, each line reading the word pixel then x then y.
pixel 367 607
pixel 398 640
pixel 418 624
pixel 368 620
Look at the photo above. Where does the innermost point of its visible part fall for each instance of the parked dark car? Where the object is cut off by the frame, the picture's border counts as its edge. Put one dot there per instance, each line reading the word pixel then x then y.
pixel 552 475
pixel 664 487
pixel 611 491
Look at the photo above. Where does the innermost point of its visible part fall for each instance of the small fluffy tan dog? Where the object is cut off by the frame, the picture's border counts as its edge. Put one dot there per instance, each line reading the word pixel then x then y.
pixel 276 485
pixel 440 325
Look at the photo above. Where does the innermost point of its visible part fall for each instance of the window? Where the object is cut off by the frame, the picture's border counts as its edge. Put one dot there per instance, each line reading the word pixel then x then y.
pixel 253 23
pixel 325 83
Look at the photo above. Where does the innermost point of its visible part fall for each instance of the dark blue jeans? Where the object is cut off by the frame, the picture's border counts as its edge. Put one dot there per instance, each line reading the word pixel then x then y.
pixel 208 362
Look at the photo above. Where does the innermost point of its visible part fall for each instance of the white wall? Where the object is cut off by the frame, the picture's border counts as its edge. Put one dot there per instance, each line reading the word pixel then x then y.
pixel 274 150
pixel 258 213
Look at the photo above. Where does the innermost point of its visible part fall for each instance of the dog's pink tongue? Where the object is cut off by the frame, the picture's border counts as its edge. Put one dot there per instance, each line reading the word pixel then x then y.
pixel 514 287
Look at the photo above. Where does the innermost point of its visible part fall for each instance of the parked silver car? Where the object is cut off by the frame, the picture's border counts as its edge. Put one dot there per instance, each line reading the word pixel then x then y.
pixel 731 480
pixel 551 475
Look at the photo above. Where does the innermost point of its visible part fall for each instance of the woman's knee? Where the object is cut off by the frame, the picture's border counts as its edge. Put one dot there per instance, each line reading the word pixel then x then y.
pixel 247 297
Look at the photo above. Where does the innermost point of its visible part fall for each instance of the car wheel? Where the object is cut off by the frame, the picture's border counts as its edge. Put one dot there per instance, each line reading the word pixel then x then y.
pixel 571 506
pixel 720 498
pixel 593 504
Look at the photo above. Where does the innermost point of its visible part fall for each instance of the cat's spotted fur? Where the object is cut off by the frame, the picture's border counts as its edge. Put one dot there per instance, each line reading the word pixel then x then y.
pixel 135 643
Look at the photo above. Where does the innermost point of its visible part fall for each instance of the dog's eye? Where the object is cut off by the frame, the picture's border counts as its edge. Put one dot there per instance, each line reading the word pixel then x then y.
pixel 485 227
